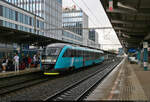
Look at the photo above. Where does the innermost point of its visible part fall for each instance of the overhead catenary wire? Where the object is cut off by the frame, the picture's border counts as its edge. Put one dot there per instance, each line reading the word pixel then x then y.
pixel 69 28
pixel 66 28
pixel 95 16
pixel 90 11
pixel 82 10
pixel 92 14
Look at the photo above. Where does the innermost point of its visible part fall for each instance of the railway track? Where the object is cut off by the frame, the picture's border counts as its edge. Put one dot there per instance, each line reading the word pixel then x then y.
pixel 19 82
pixel 79 89
pixel 74 86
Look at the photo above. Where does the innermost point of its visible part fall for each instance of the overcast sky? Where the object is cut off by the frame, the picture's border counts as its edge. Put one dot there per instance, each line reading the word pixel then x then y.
pixel 97 18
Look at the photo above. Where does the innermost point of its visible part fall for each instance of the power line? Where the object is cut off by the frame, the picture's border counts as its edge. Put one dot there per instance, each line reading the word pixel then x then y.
pixel 90 10
pixel 70 28
pixel 82 10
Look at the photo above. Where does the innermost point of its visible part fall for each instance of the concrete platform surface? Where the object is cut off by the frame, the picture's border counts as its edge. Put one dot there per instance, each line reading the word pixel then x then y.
pixel 126 82
pixel 21 72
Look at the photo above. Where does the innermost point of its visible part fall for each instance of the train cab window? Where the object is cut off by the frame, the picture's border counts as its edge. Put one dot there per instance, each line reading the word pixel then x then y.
pixel 52 51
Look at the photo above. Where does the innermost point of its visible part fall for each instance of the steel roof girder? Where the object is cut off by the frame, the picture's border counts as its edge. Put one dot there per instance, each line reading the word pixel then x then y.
pixel 132 29
pixel 127 12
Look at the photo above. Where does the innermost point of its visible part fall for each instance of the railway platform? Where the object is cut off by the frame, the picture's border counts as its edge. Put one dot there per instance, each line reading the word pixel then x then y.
pixel 126 82
pixel 21 72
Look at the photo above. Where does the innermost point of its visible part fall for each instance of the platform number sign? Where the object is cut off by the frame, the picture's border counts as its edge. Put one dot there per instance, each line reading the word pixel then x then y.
pixel 110 5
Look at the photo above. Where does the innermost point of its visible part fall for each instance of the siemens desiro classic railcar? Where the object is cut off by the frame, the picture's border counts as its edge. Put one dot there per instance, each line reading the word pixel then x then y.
pixel 61 57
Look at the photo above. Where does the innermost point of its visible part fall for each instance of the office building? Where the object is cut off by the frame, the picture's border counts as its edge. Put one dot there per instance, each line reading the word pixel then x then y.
pixel 20 19
pixel 93 39
pixel 74 20
pixel 50 11
pixel 72 37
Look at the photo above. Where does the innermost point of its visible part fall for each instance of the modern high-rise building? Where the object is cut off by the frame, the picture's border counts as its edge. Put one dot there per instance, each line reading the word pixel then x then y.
pixel 20 19
pixel 33 6
pixel 44 17
pixel 92 35
pixel 53 18
pixel 49 10
pixel 93 39
pixel 72 37
pixel 75 20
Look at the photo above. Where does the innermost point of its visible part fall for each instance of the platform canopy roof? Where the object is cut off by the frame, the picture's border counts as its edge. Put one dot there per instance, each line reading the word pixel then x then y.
pixel 9 36
pixel 130 20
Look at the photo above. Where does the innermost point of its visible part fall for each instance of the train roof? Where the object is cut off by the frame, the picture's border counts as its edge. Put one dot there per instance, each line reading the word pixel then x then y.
pixel 61 45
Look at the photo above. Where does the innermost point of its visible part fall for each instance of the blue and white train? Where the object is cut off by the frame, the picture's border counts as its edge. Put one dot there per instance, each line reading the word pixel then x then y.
pixel 61 57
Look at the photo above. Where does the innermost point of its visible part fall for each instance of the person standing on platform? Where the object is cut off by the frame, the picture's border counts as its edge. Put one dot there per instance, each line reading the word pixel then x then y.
pixel 4 64
pixel 26 61
pixel 16 62
pixel 29 61
pixel 35 60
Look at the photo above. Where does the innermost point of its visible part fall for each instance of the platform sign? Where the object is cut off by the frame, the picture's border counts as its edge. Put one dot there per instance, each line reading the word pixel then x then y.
pixel 132 50
pixel 145 45
pixel 110 5
pixel 148 48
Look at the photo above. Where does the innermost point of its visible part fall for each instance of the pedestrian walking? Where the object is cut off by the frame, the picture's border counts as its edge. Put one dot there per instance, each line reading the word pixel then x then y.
pixel 16 62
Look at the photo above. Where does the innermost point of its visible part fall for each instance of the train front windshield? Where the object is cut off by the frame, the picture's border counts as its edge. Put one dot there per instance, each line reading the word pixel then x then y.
pixel 51 54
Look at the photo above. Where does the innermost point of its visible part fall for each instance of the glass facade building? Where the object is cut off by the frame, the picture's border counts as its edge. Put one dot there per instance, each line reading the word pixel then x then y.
pixel 73 19
pixel 92 35
pixel 53 18
pixel 19 19
pixel 71 37
pixel 40 15
pixel 33 6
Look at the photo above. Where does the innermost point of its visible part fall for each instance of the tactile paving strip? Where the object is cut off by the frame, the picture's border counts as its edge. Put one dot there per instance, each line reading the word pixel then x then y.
pixel 125 86
pixel 128 87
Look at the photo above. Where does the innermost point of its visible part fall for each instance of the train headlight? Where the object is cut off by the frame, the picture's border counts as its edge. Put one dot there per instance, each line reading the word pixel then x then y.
pixel 53 60
pixel 42 60
pixel 49 61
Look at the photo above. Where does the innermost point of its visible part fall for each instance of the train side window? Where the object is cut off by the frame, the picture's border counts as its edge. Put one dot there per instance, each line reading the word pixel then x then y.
pixel 76 53
pixel 83 53
pixel 79 53
pixel 67 53
pixel 72 53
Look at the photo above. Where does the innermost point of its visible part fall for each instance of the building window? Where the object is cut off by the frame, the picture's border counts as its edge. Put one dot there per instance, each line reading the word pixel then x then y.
pixel 1 10
pixel 1 23
pixel 16 16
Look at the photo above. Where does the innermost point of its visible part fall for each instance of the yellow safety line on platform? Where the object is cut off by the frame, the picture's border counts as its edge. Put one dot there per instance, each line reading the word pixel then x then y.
pixel 116 83
pixel 51 73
